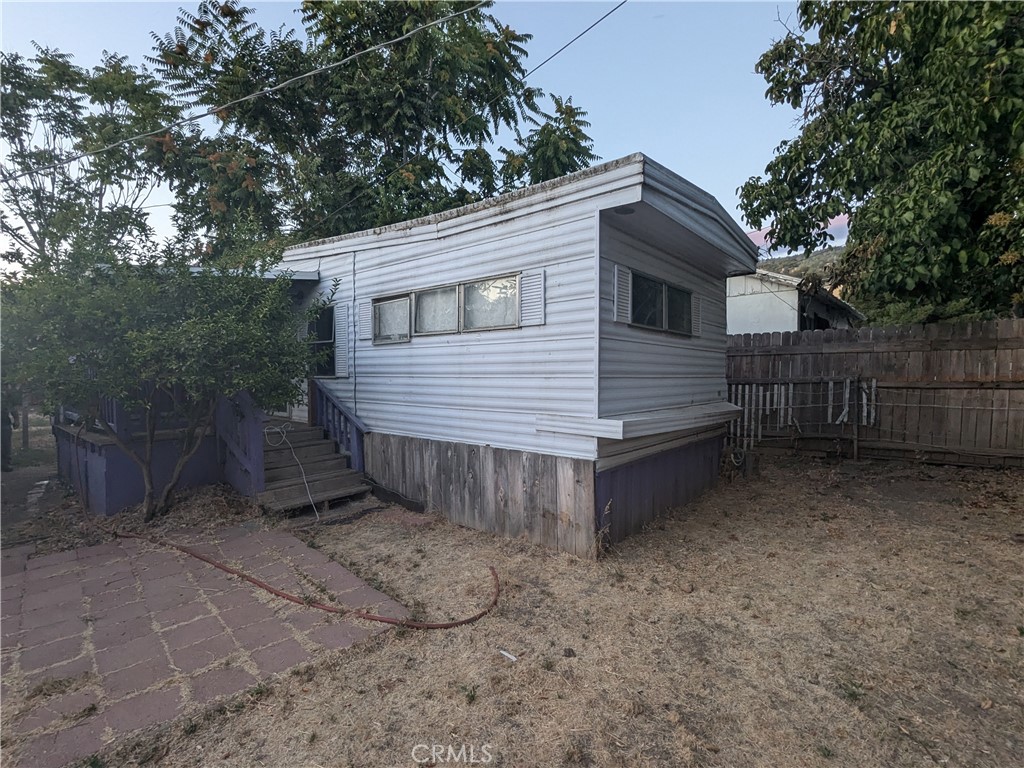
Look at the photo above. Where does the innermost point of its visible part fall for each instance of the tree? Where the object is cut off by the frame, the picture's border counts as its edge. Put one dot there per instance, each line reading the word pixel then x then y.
pixel 913 123
pixel 554 148
pixel 396 133
pixel 54 212
pixel 164 339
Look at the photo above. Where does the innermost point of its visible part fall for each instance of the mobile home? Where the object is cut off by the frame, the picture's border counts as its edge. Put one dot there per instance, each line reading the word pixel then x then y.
pixel 549 363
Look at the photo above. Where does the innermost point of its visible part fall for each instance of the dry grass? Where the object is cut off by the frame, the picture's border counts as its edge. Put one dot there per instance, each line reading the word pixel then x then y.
pixel 65 526
pixel 818 615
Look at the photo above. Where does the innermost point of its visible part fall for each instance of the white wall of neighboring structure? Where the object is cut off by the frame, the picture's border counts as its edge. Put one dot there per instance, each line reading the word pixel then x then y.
pixel 757 304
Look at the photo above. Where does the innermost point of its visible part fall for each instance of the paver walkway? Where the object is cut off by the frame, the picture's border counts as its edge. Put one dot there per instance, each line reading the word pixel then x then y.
pixel 102 641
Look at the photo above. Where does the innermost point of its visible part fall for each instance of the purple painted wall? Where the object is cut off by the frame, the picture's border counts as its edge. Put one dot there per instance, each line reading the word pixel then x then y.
pixel 239 426
pixel 108 478
pixel 111 481
pixel 642 489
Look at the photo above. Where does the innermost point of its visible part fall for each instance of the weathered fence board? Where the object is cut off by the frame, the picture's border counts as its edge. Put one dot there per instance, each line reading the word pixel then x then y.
pixel 938 392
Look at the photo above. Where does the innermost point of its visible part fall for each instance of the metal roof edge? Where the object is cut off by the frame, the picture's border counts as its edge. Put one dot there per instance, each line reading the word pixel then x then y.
pixel 821 293
pixel 523 194
pixel 690 193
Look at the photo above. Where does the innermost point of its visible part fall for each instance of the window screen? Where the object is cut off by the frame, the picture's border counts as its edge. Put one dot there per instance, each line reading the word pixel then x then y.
pixel 321 332
pixel 491 303
pixel 648 302
pixel 437 311
pixel 391 320
pixel 679 315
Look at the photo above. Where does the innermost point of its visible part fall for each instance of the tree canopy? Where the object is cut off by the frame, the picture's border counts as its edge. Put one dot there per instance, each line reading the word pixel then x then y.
pixel 913 123
pixel 67 215
pixel 395 133
pixel 163 338
pixel 100 310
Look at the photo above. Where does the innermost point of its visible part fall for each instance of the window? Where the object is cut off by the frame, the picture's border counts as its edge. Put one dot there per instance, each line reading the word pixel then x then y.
pixel 437 311
pixel 511 301
pixel 678 310
pixel 321 334
pixel 650 303
pixel 391 320
pixel 491 304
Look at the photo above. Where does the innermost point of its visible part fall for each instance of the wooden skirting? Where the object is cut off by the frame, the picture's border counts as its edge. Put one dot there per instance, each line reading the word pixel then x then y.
pixel 546 499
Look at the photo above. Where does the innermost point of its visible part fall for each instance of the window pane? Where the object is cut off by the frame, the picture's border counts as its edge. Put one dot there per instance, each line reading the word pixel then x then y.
pixel 648 302
pixel 322 332
pixel 322 329
pixel 391 320
pixel 491 303
pixel 679 316
pixel 324 364
pixel 437 311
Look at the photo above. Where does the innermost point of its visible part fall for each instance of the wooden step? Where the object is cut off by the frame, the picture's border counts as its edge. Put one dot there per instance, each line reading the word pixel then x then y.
pixel 274 442
pixel 304 453
pixel 314 482
pixel 311 465
pixel 339 486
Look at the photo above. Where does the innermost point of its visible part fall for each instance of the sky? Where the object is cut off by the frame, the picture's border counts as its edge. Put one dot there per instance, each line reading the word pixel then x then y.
pixel 674 80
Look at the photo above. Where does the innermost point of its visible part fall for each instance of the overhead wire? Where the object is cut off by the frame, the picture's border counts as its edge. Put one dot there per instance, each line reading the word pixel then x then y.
pixel 266 91
pixel 249 97
pixel 522 81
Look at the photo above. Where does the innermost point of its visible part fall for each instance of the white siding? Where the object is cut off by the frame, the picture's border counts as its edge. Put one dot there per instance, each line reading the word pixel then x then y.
pixel 644 370
pixel 758 305
pixel 493 388
pixel 485 387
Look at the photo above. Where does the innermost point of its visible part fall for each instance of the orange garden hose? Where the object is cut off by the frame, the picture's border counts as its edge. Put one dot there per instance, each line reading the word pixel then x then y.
pixel 407 623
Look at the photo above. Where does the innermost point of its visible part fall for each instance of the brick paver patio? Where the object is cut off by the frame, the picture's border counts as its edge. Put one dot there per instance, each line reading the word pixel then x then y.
pixel 114 638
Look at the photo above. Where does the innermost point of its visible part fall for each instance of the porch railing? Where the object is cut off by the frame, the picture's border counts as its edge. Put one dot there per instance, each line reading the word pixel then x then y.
pixel 239 425
pixel 340 423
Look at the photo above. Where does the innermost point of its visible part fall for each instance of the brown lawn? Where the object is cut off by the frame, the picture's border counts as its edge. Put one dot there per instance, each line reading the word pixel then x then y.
pixel 818 615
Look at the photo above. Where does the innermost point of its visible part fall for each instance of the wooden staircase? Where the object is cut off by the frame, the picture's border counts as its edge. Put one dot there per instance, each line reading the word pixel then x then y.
pixel 328 474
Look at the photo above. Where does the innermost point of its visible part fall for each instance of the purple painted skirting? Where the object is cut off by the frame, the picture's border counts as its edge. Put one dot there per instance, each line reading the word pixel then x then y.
pixel 239 425
pixel 642 489
pixel 104 475
pixel 111 481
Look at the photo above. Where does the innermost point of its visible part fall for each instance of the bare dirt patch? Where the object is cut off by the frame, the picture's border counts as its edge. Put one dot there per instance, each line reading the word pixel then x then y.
pixel 848 615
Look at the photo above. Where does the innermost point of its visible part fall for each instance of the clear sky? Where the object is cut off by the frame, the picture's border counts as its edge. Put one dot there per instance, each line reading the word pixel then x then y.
pixel 674 80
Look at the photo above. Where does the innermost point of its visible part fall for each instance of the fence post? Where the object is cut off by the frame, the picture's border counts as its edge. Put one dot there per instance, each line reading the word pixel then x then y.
pixel 856 419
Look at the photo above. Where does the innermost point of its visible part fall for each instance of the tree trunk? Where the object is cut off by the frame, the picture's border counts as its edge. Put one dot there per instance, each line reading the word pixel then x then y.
pixel 144 466
pixel 24 422
pixel 194 435
pixel 149 507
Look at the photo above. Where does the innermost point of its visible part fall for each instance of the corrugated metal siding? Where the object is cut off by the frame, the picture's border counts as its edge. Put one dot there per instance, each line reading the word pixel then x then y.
pixel 485 387
pixel 642 370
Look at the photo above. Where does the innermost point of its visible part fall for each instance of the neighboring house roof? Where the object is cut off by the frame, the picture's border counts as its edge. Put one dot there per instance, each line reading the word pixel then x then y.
pixel 631 179
pixel 820 294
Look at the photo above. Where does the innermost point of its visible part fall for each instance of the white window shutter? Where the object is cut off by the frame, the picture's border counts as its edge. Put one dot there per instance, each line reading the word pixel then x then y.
pixel 623 300
pixel 696 315
pixel 341 334
pixel 531 298
pixel 365 320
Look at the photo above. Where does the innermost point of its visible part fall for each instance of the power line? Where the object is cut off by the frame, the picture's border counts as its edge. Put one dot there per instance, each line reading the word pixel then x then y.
pixel 522 81
pixel 581 34
pixel 249 97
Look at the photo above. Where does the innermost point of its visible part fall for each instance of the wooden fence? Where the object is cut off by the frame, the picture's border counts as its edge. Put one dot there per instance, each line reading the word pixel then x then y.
pixel 941 393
